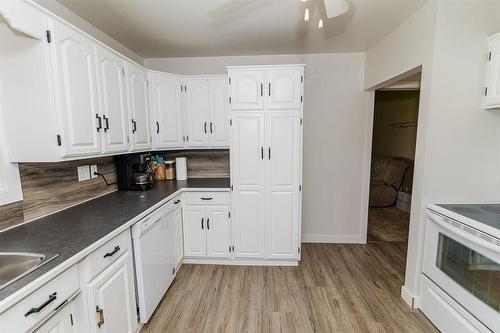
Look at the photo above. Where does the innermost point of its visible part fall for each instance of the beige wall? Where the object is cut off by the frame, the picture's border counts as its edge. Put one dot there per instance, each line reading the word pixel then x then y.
pixel 63 12
pixel 392 107
pixel 458 142
pixel 334 133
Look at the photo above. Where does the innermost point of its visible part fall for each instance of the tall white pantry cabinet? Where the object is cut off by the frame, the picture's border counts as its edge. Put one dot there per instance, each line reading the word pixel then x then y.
pixel 266 109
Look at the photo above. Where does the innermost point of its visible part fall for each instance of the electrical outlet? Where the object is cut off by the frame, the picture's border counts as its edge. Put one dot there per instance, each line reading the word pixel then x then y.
pixel 83 173
pixel 93 170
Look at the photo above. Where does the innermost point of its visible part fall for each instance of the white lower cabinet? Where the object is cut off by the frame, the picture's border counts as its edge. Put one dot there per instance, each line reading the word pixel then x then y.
pixel 179 243
pixel 67 319
pixel 217 231
pixel 111 300
pixel 206 225
pixel 193 222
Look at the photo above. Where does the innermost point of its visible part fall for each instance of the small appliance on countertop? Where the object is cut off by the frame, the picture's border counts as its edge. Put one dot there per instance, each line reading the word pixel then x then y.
pixel 134 172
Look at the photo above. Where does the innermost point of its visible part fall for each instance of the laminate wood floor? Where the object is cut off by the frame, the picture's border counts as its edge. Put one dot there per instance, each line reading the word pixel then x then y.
pixel 336 288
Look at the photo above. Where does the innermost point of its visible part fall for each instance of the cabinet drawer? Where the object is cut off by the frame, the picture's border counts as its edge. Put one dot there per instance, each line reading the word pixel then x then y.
pixel 56 291
pixel 104 256
pixel 444 312
pixel 206 198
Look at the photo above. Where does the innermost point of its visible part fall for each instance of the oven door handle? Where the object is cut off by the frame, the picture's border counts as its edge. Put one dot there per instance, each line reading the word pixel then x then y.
pixel 442 222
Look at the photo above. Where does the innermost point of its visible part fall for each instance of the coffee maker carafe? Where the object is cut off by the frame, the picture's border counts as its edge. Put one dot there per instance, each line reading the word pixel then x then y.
pixel 134 172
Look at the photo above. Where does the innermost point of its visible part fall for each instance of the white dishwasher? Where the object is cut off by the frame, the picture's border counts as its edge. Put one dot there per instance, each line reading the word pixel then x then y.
pixel 154 258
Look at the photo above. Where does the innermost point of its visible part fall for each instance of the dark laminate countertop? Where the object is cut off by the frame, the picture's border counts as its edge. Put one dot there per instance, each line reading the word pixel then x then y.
pixel 72 230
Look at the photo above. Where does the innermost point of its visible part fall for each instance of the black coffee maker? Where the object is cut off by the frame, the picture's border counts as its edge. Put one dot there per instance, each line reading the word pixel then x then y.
pixel 134 172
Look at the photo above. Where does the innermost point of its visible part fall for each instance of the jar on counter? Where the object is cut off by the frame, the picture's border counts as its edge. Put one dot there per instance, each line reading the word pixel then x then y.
pixel 170 169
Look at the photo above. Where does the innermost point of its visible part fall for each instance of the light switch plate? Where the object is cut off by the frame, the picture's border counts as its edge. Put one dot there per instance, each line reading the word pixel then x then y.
pixel 83 173
pixel 93 169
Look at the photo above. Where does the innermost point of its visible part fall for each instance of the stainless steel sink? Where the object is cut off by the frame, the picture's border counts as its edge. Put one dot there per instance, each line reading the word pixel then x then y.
pixel 15 265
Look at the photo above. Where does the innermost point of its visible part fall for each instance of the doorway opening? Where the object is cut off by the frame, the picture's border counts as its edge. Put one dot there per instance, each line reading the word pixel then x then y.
pixel 392 162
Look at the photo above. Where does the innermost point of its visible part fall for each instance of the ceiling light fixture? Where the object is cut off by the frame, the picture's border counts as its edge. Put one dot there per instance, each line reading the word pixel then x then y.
pixel 306 15
pixel 320 23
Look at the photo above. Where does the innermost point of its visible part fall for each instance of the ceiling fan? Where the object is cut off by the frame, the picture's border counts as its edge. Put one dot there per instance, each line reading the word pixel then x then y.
pixel 232 8
pixel 336 7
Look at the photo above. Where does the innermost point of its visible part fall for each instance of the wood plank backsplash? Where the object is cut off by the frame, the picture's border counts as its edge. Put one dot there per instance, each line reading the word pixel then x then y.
pixel 48 187
pixel 202 163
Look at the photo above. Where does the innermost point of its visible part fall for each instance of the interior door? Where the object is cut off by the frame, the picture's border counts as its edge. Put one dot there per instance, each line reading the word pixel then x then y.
pixel 112 298
pixel 113 100
pixel 198 108
pixel 247 89
pixel 194 226
pixel 247 177
pixel 167 122
pixel 217 231
pixel 77 90
pixel 219 113
pixel 283 151
pixel 284 89
pixel 139 107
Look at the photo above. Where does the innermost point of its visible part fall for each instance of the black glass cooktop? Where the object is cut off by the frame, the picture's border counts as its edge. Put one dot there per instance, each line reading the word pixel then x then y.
pixel 488 214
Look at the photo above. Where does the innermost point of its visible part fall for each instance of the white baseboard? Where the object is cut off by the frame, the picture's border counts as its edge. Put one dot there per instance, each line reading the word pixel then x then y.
pixel 333 238
pixel 239 262
pixel 408 297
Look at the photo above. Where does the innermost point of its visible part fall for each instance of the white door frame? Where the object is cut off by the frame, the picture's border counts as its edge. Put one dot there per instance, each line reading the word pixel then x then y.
pixel 415 237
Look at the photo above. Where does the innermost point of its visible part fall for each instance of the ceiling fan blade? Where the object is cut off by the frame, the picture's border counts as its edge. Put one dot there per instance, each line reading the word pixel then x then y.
pixel 336 7
pixel 229 8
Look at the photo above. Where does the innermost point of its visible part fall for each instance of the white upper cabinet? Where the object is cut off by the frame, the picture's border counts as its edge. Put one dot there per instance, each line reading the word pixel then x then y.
pixel 492 88
pixel 219 113
pixel 197 107
pixel 137 81
pixel 113 101
pixel 247 89
pixel 284 88
pixel 167 117
pixel 77 91
pixel 266 88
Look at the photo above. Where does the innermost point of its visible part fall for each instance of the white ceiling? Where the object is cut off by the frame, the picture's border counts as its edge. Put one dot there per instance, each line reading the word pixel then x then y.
pixel 188 28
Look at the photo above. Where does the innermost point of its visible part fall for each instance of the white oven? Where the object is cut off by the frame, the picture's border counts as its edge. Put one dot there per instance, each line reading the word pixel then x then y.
pixel 465 263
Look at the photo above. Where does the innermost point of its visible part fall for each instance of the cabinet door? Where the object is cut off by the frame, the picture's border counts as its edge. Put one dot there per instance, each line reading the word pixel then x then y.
pixel 247 151
pixel 61 322
pixel 77 92
pixel 492 94
pixel 113 101
pixel 217 231
pixel 248 223
pixel 178 238
pixel 197 106
pixel 284 88
pixel 194 225
pixel 68 319
pixel 219 108
pixel 283 140
pixel 167 122
pixel 112 300
pixel 139 107
pixel 247 89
